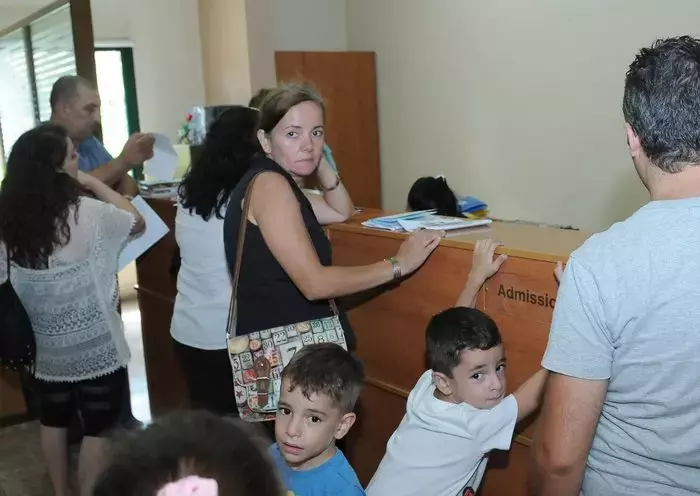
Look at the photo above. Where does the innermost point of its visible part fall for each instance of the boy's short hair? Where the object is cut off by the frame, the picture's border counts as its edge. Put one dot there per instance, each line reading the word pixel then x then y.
pixel 455 330
pixel 326 369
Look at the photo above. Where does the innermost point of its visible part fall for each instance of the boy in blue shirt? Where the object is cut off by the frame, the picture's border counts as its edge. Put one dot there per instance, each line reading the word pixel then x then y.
pixel 320 386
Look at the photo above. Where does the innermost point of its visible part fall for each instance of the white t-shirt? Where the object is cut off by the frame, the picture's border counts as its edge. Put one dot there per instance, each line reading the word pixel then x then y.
pixel 441 448
pixel 203 283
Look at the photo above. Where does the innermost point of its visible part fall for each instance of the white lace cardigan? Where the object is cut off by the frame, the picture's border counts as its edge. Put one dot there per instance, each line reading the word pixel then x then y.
pixel 73 303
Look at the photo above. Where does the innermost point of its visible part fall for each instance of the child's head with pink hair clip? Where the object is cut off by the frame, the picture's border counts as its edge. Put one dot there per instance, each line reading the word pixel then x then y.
pixel 190 454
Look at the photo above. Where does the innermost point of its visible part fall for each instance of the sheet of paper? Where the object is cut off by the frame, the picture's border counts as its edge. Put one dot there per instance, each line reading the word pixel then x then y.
pixel 165 159
pixel 441 223
pixel 155 230
pixel 391 222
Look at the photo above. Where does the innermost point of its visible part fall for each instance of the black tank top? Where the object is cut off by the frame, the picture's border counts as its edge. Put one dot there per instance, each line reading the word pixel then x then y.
pixel 267 297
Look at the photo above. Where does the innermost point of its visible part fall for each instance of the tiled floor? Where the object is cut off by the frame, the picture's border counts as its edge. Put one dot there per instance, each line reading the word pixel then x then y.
pixel 22 469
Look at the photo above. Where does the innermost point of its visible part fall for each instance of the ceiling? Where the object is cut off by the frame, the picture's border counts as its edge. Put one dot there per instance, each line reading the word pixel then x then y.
pixel 12 11
pixel 24 3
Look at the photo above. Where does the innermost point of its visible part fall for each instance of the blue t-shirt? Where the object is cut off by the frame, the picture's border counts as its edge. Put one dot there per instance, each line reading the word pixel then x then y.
pixel 333 478
pixel 92 154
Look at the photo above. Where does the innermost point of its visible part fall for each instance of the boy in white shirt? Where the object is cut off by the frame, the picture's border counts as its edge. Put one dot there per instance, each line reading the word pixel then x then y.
pixel 457 412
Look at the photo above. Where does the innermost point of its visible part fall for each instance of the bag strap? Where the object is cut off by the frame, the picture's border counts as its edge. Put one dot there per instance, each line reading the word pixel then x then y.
pixel 233 306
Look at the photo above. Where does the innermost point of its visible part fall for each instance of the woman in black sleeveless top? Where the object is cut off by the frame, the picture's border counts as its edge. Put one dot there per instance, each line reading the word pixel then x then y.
pixel 286 273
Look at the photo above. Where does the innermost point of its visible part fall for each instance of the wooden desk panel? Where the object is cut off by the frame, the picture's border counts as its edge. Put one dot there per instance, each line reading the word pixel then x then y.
pixel 390 327
pixel 156 290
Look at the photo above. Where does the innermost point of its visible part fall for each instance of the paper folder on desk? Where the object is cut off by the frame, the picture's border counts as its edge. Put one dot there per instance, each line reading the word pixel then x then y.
pixel 442 223
pixel 391 222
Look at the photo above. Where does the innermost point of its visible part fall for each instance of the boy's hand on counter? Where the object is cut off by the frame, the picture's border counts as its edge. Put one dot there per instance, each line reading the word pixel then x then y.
pixel 559 272
pixel 484 265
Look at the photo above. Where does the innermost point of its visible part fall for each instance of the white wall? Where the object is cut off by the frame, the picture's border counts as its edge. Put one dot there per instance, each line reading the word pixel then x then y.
pixel 110 20
pixel 518 103
pixel 310 25
pixel 167 55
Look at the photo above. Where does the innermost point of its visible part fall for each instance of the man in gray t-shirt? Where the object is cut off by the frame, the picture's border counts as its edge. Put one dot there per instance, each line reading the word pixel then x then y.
pixel 621 414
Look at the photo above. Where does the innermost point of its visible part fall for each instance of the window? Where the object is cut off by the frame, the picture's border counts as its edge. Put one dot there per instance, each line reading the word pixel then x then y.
pixel 53 54
pixel 31 59
pixel 119 111
pixel 16 102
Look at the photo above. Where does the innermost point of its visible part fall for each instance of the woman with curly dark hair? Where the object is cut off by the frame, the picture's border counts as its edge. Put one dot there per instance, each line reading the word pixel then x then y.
pixel 64 247
pixel 201 308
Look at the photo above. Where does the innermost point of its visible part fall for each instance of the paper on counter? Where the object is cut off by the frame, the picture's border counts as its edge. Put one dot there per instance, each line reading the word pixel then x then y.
pixel 155 230
pixel 164 163
pixel 441 223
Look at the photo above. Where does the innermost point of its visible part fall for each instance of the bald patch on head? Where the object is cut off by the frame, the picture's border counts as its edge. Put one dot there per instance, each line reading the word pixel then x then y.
pixel 66 88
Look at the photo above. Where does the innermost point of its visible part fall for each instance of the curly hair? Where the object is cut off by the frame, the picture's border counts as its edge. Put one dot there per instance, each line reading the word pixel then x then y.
pixel 36 197
pixel 228 147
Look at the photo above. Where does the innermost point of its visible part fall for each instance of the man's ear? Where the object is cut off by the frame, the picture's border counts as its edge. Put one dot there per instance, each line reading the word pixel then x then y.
pixel 264 141
pixel 633 142
pixel 442 383
pixel 346 422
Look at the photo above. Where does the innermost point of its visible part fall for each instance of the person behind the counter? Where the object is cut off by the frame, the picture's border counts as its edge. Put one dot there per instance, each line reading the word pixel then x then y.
pixel 433 193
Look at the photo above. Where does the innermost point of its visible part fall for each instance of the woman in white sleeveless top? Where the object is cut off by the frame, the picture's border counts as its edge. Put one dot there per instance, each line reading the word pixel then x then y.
pixel 64 249
pixel 201 308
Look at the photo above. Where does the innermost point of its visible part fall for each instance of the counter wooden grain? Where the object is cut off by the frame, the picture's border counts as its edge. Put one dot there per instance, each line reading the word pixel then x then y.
pixel 156 289
pixel 390 326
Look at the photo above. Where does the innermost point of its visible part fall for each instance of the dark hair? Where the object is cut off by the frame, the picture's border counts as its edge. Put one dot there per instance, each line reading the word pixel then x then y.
pixel 280 100
pixel 329 370
pixel 662 102
pixel 455 330
pixel 36 197
pixel 229 145
pixel 189 443
pixel 429 193
pixel 257 99
pixel 66 88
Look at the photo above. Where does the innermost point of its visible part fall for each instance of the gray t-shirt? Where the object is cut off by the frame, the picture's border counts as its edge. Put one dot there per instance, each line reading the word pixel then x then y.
pixel 628 310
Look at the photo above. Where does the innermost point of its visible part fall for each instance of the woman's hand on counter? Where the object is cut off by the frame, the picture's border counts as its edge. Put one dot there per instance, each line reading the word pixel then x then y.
pixel 416 249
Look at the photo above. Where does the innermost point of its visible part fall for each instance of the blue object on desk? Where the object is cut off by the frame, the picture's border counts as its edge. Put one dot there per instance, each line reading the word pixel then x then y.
pixel 468 204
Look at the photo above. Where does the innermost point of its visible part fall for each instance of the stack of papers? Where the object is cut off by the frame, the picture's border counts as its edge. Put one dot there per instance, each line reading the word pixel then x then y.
pixel 425 219
pixel 159 189
pixel 441 223
pixel 391 222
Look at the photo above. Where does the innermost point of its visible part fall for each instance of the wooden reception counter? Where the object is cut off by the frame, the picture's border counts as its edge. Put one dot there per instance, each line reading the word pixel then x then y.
pixel 390 325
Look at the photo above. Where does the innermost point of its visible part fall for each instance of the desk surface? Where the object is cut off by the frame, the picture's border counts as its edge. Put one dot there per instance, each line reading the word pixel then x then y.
pixel 519 240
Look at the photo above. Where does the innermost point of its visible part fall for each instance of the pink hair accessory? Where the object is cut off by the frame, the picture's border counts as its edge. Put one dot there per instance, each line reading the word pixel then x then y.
pixel 190 486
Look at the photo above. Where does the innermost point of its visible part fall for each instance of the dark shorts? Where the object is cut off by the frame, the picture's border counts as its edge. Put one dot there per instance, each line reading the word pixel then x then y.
pixel 209 379
pixel 97 401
